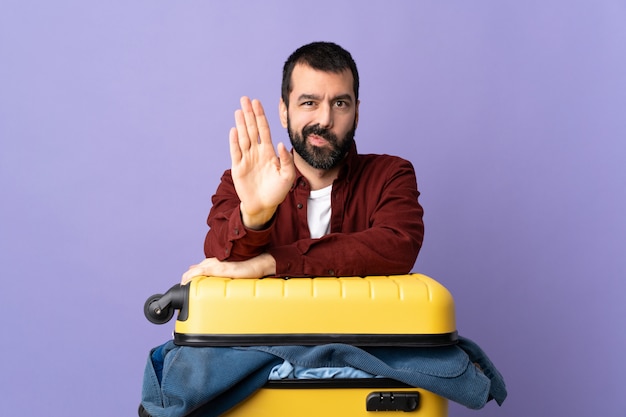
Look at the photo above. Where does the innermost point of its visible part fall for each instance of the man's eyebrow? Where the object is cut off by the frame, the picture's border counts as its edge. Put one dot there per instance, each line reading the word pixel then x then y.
pixel 308 97
pixel 344 97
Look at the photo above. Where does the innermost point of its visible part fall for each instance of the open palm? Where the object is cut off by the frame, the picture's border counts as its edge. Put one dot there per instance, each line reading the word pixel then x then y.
pixel 262 179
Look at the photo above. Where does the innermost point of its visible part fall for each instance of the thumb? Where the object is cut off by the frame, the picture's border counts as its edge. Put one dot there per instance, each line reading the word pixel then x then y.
pixel 286 158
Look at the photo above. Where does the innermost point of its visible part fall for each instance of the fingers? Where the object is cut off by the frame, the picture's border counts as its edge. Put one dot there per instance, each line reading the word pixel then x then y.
pixel 235 149
pixel 187 276
pixel 256 267
pixel 251 123
pixel 251 120
pixel 201 269
pixel 193 271
pixel 263 127
pixel 243 137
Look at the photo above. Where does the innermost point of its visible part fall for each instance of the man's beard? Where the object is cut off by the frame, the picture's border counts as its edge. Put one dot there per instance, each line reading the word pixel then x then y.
pixel 321 157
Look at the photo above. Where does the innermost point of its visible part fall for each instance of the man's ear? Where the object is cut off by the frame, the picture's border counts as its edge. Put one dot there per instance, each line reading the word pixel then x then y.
pixel 282 112
pixel 356 114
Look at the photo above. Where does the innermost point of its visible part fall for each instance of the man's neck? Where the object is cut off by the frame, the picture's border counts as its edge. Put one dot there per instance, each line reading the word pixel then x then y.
pixel 317 178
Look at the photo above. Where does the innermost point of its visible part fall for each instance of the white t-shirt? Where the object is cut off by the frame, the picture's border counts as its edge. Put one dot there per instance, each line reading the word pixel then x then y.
pixel 318 212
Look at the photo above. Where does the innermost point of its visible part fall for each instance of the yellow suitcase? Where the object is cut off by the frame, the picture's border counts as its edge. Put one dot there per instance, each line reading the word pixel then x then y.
pixel 346 398
pixel 401 310
pixel 405 310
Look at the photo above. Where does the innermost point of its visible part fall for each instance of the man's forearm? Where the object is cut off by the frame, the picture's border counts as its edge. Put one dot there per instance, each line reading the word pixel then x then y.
pixel 372 252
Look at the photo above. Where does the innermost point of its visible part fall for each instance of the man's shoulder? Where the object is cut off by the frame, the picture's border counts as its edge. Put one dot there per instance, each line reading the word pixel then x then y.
pixel 373 160
pixel 380 157
pixel 378 167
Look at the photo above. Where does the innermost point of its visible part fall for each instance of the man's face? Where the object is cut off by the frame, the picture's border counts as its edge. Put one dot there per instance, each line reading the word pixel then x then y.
pixel 322 115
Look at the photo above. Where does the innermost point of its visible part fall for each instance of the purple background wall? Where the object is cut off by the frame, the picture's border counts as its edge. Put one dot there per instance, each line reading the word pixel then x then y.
pixel 113 133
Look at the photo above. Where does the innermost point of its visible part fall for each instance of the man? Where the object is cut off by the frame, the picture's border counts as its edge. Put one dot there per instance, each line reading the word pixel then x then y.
pixel 323 209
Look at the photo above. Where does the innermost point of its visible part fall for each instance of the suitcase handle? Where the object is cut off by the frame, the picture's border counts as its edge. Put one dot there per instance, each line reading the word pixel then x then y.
pixel 159 308
pixel 392 401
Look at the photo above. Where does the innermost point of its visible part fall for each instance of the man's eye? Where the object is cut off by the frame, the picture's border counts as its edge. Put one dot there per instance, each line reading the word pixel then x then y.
pixel 340 103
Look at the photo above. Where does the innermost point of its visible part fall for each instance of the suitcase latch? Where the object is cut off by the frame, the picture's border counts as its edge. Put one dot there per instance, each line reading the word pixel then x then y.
pixel 393 401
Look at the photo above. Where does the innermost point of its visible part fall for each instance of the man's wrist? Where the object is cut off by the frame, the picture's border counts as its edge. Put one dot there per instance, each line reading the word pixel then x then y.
pixel 258 221
pixel 269 265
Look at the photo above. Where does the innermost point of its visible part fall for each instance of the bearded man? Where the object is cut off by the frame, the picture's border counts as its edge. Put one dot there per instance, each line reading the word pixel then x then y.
pixel 321 209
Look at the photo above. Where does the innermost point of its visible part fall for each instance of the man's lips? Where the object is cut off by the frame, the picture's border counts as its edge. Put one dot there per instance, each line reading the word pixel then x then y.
pixel 316 140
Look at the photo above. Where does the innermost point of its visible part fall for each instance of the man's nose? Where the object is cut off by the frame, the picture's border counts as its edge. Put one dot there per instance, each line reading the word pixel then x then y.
pixel 325 116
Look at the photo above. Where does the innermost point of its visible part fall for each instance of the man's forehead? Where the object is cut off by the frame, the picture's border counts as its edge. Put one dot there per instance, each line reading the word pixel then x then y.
pixel 304 78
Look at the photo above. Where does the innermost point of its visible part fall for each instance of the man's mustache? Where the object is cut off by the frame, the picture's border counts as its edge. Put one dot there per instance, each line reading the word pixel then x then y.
pixel 322 132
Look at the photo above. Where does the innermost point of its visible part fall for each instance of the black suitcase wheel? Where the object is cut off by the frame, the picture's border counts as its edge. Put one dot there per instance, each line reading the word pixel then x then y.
pixel 154 313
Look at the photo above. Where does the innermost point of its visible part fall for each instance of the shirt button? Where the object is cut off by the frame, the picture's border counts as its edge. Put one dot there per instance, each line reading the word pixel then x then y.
pixel 331 272
pixel 236 231
pixel 300 205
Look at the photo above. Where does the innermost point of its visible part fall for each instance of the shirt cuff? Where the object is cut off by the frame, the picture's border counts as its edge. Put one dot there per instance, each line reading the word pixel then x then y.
pixel 289 261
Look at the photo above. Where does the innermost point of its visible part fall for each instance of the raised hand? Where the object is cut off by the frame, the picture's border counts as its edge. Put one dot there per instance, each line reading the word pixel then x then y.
pixel 262 179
